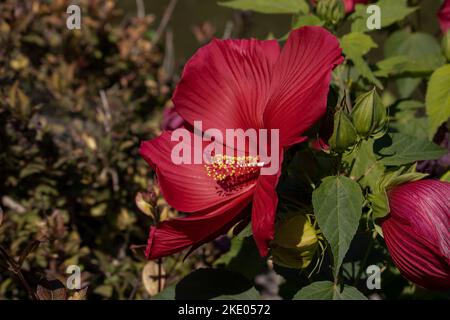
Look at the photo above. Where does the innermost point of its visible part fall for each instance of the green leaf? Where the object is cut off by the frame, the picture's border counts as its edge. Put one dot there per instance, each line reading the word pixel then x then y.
pixel 378 198
pixel 422 49
pixel 250 294
pixel 411 125
pixel 167 294
pixel 406 86
pixel 236 245
pixel 398 176
pixel 355 45
pixel 404 65
pixel 307 20
pixel 204 284
pixel 438 99
pixel 392 66
pixel 246 232
pixel 396 149
pixel 303 20
pixel 408 119
pixel 247 260
pixel 326 290
pixel 269 6
pixel 243 257
pixel 446 176
pixel 410 105
pixel 379 204
pixel 366 168
pixel 407 177
pixel 391 12
pixel 337 206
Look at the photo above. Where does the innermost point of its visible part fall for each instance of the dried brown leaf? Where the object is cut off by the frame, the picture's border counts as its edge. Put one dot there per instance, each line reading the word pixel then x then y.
pixel 143 203
pixel 51 289
pixel 79 295
pixel 153 277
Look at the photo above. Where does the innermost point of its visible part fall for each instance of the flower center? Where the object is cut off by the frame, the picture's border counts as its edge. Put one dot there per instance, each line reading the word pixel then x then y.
pixel 233 173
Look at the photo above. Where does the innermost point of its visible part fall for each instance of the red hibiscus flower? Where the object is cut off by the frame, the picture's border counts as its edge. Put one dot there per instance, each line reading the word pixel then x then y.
pixel 349 5
pixel 417 232
pixel 245 84
pixel 444 16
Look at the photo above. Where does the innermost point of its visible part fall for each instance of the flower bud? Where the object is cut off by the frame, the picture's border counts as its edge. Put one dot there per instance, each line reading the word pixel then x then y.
pixel 295 242
pixel 332 11
pixel 344 133
pixel 417 234
pixel 446 45
pixel 369 114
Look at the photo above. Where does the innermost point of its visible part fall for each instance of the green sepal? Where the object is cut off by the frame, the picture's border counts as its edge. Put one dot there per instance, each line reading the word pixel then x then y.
pixel 379 201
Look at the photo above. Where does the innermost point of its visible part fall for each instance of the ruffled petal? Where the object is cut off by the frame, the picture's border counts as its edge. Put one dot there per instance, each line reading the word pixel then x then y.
pixel 178 234
pixel 186 187
pixel 226 84
pixel 265 201
pixel 301 81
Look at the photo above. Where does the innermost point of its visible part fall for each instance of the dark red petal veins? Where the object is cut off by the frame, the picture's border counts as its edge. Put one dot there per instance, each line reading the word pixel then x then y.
pixel 300 82
pixel 425 205
pixel 196 229
pixel 417 233
pixel 416 260
pixel 226 84
pixel 186 187
pixel 265 201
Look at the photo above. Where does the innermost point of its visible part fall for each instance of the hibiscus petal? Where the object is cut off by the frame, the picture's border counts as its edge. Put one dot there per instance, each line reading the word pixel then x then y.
pixel 186 187
pixel 444 16
pixel 417 261
pixel 300 81
pixel 265 201
pixel 424 205
pixel 175 235
pixel 226 84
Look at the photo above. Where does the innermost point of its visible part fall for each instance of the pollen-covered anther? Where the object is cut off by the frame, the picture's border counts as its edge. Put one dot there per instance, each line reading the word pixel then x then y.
pixel 232 172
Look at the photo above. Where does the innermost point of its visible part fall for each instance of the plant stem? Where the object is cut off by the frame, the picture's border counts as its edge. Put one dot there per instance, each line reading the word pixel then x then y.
pixel 339 164
pixel 24 282
pixel 159 274
pixel 364 260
